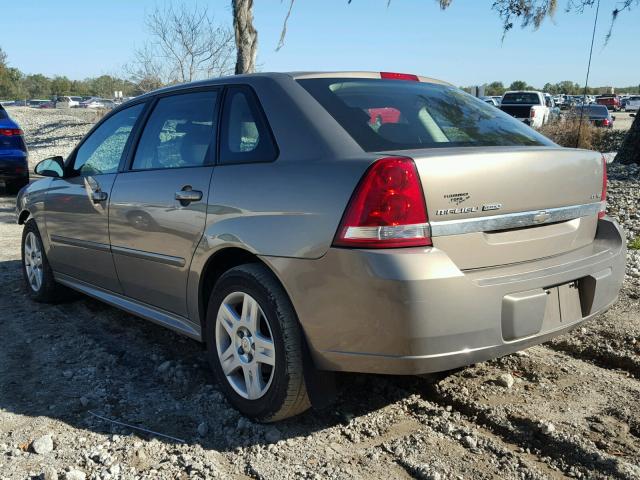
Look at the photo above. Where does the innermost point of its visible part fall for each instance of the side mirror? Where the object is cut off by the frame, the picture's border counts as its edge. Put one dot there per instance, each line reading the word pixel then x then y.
pixel 613 117
pixel 50 167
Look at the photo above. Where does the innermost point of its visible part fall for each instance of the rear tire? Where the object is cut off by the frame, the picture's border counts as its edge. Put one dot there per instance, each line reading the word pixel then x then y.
pixel 36 271
pixel 263 373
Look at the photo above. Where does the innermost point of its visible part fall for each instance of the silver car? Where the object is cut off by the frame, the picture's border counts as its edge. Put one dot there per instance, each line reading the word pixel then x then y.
pixel 307 223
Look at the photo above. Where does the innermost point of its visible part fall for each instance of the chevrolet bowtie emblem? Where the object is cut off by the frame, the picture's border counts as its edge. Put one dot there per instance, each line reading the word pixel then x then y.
pixel 541 217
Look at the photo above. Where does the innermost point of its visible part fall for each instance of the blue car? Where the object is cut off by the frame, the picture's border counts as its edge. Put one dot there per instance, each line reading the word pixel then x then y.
pixel 14 169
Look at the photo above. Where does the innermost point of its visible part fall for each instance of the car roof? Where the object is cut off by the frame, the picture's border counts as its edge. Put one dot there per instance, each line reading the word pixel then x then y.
pixel 277 75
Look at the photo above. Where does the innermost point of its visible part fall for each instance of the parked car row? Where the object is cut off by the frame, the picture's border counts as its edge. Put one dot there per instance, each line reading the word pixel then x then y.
pixel 68 101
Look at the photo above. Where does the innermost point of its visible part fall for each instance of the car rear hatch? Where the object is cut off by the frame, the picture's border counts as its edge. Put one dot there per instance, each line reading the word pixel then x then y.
pixel 494 206
pixel 496 191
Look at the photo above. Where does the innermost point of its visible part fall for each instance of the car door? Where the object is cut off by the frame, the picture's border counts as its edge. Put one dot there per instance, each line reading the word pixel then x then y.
pixel 77 205
pixel 159 204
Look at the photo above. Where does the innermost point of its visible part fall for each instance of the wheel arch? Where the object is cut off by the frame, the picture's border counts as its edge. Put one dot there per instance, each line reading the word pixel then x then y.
pixel 24 216
pixel 215 266
pixel 321 385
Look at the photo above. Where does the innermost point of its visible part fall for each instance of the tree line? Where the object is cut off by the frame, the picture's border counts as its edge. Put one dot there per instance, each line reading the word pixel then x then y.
pixel 566 87
pixel 15 85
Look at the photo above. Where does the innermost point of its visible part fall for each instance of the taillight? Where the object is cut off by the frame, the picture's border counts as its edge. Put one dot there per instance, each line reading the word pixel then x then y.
pixel 605 122
pixel 10 132
pixel 399 76
pixel 603 195
pixel 532 113
pixel 387 209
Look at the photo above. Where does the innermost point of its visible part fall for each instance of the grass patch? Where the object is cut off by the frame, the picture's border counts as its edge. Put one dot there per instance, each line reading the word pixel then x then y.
pixel 635 244
pixel 564 132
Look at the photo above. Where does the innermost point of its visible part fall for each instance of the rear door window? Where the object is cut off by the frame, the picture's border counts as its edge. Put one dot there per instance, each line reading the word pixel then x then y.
pixel 384 115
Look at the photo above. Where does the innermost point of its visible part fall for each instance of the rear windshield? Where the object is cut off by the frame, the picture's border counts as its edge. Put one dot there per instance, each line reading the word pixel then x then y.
pixel 597 110
pixel 521 97
pixel 401 115
pixel 3 112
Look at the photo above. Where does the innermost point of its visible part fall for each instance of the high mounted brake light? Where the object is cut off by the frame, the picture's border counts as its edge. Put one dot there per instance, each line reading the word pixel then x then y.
pixel 387 209
pixel 399 76
pixel 603 195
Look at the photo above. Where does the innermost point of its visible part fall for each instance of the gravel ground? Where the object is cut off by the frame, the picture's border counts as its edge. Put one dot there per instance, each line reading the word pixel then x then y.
pixel 568 408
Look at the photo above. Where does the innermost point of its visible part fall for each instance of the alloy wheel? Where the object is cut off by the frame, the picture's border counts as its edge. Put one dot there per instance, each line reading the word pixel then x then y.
pixel 33 261
pixel 245 346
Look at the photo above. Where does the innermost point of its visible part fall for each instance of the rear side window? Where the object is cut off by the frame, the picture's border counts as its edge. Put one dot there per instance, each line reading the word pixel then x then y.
pixel 521 98
pixel 180 132
pixel 383 115
pixel 3 112
pixel 245 135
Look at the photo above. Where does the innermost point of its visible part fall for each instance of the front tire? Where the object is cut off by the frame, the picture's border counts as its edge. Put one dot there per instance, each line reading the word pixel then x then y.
pixel 254 345
pixel 36 271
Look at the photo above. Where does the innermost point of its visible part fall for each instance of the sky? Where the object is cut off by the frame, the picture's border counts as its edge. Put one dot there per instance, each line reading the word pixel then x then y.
pixel 462 45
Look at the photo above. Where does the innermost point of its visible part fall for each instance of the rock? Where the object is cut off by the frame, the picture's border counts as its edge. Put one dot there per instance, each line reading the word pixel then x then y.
pixel 114 469
pixel 49 473
pixel 164 366
pixel 548 427
pixel 75 475
pixel 42 445
pixel 203 429
pixel 272 435
pixel 505 380
pixel 469 442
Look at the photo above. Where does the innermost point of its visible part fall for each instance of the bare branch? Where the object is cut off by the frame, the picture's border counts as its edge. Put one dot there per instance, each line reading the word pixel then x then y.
pixel 185 45
pixel 283 33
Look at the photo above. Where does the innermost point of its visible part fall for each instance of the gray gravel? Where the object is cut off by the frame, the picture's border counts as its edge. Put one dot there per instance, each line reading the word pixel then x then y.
pixel 68 372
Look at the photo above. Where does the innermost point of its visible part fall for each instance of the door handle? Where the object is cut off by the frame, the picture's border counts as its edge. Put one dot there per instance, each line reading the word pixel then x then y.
pixel 99 196
pixel 187 195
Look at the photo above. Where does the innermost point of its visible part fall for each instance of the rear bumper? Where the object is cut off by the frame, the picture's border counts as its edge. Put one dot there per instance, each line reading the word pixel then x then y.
pixel 13 165
pixel 412 311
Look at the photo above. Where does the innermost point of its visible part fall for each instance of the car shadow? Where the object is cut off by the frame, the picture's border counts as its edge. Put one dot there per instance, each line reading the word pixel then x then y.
pixel 81 360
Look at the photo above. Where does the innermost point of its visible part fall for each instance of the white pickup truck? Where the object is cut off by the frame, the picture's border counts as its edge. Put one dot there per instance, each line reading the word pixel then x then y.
pixel 633 104
pixel 529 107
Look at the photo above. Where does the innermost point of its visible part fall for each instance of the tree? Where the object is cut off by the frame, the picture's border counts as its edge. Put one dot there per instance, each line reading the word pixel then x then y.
pixel 246 36
pixel 519 85
pixel 186 45
pixel 495 88
pixel 61 86
pixel 37 86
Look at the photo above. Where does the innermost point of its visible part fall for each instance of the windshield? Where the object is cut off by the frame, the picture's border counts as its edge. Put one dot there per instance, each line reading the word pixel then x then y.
pixel 385 115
